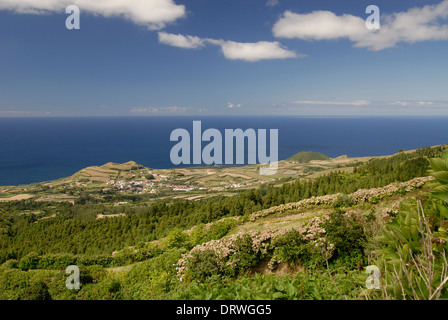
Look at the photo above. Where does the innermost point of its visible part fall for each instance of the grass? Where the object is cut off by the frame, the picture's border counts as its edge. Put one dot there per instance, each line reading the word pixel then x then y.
pixel 306 156
pixel 278 221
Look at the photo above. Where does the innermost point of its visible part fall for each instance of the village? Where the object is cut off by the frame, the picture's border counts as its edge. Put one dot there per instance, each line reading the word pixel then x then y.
pixel 159 182
pixel 140 187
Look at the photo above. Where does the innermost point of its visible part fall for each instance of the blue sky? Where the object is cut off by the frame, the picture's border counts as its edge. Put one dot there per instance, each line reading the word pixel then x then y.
pixel 223 57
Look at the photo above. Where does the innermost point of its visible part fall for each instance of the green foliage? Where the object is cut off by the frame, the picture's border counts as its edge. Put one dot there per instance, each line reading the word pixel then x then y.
pixel 439 170
pixel 10 264
pixel 152 279
pixel 400 167
pixel 244 256
pixel 343 201
pixel 307 156
pixel 215 231
pixel 409 249
pixel 177 239
pixel 37 291
pixel 202 265
pixel 415 242
pixel 107 289
pixel 371 216
pixel 291 248
pixel 312 286
pixel 70 234
pixel 74 228
pixel 349 240
pixel 58 290
pixel 13 284
pixel 55 261
pixel 259 287
pixel 30 261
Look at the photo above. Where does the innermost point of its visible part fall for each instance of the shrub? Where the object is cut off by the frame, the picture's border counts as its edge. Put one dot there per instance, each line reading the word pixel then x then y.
pixel 152 279
pixel 101 260
pixel 30 261
pixel 85 275
pixel 349 240
pixel 202 264
pixel 244 256
pixel 413 256
pixel 177 239
pixel 371 216
pixel 198 235
pixel 343 201
pixel 291 248
pixel 13 282
pixel 37 291
pixel 219 229
pixel 56 261
pixel 10 264
pixel 58 290
pixel 215 231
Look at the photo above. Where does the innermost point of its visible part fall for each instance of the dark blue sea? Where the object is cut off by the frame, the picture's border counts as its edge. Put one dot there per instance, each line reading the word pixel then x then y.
pixel 42 149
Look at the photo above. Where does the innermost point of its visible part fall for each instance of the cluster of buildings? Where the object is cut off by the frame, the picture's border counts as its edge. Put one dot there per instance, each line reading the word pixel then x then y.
pixel 147 186
pixel 243 185
pixel 159 182
pixel 134 186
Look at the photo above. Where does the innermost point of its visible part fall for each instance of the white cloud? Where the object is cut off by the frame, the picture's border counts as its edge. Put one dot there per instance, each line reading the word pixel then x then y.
pixel 318 25
pixel 155 14
pixel 411 103
pixel 246 51
pixel 181 41
pixel 425 103
pixel 400 103
pixel 253 51
pixel 414 25
pixel 335 103
pixel 232 105
pixel 159 110
pixel 24 113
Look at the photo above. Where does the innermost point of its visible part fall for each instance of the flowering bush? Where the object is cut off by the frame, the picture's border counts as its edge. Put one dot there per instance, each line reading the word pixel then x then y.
pixel 240 252
pixel 362 195
pixel 232 252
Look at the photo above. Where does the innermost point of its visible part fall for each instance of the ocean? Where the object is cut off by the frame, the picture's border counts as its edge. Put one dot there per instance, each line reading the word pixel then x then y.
pixel 42 149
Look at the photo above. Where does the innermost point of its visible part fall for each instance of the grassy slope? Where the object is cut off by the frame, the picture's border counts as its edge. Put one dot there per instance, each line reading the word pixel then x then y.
pixel 307 156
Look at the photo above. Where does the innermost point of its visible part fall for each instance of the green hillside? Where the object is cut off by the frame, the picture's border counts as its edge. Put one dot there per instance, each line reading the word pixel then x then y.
pixel 307 156
pixel 306 239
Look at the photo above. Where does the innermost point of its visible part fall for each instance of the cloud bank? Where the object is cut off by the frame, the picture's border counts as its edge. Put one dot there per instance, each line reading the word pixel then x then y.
pixel 414 25
pixel 154 14
pixel 158 110
pixel 334 103
pixel 411 103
